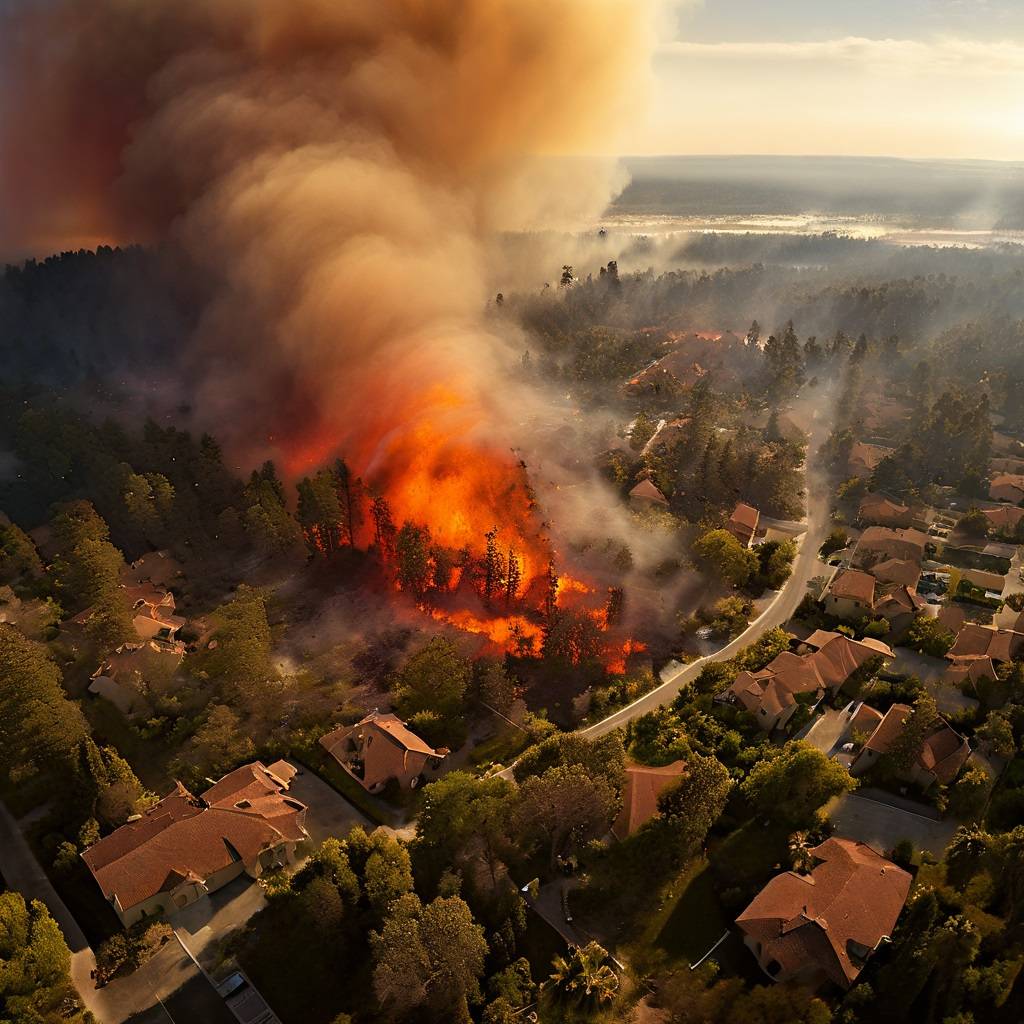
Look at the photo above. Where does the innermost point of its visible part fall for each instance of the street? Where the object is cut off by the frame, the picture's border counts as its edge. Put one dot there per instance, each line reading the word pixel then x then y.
pixel 805 567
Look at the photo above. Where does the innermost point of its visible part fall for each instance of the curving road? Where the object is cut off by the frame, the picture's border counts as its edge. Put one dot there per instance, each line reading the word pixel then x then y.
pixel 805 567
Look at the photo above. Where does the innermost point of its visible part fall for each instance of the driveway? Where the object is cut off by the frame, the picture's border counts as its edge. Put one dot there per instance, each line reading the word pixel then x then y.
pixel 883 825
pixel 22 873
pixel 329 813
pixel 930 671
pixel 823 733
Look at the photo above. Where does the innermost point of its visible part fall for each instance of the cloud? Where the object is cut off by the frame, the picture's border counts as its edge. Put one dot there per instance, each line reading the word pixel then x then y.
pixel 946 56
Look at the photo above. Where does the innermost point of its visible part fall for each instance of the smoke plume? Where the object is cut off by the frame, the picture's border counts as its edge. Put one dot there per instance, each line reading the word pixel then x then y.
pixel 336 172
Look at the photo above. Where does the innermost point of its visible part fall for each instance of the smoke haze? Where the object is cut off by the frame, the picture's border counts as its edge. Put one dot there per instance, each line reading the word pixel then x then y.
pixel 337 172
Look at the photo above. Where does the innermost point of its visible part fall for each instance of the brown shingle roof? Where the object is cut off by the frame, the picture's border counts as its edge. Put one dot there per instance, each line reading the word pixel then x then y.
pixel 776 686
pixel 852 898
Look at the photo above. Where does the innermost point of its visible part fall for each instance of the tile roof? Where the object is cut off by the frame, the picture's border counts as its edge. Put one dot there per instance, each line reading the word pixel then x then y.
pixel 897 570
pixel 745 516
pixel 640 794
pixel 1005 518
pixel 848 903
pixel 976 641
pixel 868 456
pixel 775 687
pixel 647 491
pixel 853 585
pixel 943 751
pixel 181 837
pixel 877 506
pixel 893 542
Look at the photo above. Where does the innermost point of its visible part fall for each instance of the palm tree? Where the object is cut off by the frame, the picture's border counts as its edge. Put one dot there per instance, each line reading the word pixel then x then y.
pixel 585 976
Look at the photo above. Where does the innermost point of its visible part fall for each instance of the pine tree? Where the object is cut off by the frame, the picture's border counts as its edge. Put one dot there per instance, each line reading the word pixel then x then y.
pixel 384 527
pixel 494 566
pixel 551 596
pixel 513 577
pixel 350 498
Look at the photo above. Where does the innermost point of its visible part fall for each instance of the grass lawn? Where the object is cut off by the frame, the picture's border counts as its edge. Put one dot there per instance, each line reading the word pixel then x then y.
pixel 695 921
pixel 748 857
pixel 501 749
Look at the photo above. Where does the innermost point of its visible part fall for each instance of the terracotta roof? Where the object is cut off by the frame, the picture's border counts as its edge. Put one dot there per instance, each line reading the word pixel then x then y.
pixel 1013 481
pixel 897 570
pixel 820 637
pixel 899 600
pixel 1005 518
pixel 850 901
pixel 943 751
pixel 867 456
pixel 892 542
pixel 776 686
pixel 390 726
pixel 952 617
pixel 854 585
pixel 640 794
pixel 977 641
pixel 878 507
pixel 972 669
pixel 745 516
pixel 888 728
pixel 865 718
pixel 647 491
pixel 237 818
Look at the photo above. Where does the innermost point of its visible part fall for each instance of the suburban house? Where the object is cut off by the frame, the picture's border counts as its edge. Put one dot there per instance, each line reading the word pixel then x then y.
pixel 771 694
pixel 185 847
pixel 877 510
pixel 1008 487
pixel 640 793
pixel 1013 463
pixel 646 495
pixel 865 458
pixel 979 641
pixel 942 754
pixel 1005 519
pixel 824 926
pixel 743 523
pixel 898 570
pixel 880 543
pixel 850 595
pixel 153 612
pixel 381 748
pixel 135 670
pixel 898 605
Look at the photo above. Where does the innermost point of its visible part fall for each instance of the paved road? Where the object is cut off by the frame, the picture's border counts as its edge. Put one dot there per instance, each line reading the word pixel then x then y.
pixel 882 825
pixel 23 874
pixel 805 567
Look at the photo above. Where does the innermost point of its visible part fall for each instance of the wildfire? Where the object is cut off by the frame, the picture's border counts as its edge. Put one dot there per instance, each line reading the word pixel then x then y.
pixel 474 512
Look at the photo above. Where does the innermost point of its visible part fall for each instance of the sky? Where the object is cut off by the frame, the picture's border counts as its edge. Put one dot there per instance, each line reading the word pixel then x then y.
pixel 905 78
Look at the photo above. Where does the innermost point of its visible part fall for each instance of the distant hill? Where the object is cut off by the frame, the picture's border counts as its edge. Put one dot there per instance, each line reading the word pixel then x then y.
pixel 963 194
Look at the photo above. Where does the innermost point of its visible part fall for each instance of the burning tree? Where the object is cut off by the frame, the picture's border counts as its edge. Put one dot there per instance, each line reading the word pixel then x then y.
pixel 384 527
